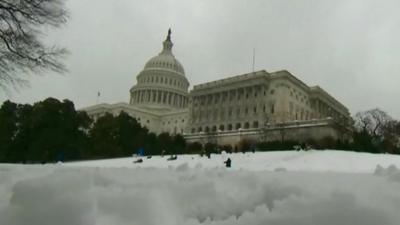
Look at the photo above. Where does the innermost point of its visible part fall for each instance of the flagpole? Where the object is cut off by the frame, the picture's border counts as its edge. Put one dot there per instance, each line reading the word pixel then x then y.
pixel 254 57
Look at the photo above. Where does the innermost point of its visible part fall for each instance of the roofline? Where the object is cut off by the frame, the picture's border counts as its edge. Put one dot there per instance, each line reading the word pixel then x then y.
pixel 229 80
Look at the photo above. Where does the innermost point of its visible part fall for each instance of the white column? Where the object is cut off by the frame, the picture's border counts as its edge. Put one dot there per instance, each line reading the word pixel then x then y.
pixel 139 94
pixel 133 97
pixel 175 99
pixel 151 96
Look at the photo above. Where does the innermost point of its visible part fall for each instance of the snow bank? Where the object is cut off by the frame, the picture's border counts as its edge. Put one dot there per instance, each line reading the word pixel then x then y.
pixel 53 194
pixel 275 188
pixel 320 161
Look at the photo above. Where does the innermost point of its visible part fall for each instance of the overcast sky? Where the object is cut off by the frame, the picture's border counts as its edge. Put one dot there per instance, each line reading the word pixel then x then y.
pixel 349 48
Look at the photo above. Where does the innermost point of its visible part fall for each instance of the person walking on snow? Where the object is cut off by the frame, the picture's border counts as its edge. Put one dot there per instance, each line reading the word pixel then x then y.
pixel 228 163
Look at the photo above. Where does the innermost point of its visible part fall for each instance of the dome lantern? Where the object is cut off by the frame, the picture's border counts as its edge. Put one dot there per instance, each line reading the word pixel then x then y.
pixel 167 44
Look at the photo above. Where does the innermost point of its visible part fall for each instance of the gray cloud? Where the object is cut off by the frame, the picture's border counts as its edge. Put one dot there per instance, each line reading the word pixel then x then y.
pixel 350 48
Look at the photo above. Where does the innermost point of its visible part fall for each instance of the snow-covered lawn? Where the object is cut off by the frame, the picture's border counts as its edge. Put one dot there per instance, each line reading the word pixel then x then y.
pixel 318 161
pixel 275 188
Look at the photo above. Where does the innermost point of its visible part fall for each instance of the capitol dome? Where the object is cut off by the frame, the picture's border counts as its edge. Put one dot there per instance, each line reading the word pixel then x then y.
pixel 162 83
pixel 166 61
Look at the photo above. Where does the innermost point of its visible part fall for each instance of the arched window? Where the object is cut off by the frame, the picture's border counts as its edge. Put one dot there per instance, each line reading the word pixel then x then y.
pixel 214 129
pixel 238 126
pixel 221 127
pixel 246 125
pixel 255 124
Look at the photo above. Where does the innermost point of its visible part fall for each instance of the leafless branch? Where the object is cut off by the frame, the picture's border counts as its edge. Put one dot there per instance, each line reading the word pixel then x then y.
pixel 21 50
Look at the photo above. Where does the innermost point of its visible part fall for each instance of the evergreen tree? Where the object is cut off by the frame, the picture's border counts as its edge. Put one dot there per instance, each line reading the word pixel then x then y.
pixel 179 144
pixel 104 138
pixel 56 131
pixel 116 136
pixel 8 129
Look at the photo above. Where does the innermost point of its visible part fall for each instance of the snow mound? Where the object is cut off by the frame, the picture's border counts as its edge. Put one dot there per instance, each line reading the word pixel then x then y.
pixel 277 188
pixel 87 196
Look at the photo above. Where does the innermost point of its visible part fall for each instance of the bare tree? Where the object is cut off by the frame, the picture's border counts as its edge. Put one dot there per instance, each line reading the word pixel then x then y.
pixel 22 51
pixel 372 121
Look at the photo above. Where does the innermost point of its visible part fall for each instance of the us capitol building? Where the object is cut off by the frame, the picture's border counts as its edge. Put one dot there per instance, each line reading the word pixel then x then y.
pixel 257 106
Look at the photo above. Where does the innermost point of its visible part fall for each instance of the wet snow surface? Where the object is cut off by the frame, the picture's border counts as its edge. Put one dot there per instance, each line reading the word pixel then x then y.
pixel 277 188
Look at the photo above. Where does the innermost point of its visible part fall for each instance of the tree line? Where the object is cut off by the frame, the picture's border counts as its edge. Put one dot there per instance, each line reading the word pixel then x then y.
pixel 53 130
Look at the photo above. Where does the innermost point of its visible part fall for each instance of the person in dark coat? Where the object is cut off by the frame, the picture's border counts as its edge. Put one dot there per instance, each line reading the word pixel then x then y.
pixel 172 157
pixel 138 161
pixel 228 162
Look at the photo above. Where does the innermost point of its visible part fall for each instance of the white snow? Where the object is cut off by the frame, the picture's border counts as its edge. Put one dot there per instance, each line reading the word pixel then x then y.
pixel 274 188
pixel 313 160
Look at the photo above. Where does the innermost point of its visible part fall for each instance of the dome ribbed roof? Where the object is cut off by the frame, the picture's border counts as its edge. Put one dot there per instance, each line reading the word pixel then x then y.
pixel 166 60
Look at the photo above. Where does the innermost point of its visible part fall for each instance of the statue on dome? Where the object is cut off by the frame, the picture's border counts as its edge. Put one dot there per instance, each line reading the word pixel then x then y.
pixel 169 35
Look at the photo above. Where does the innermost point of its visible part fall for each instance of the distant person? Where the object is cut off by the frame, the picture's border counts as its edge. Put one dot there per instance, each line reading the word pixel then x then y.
pixel 172 157
pixel 60 157
pixel 228 163
pixel 208 153
pixel 138 161
pixel 140 152
pixel 253 148
pixel 163 153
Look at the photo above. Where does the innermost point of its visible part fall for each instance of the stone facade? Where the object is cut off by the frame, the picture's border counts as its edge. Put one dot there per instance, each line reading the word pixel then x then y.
pixel 259 106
